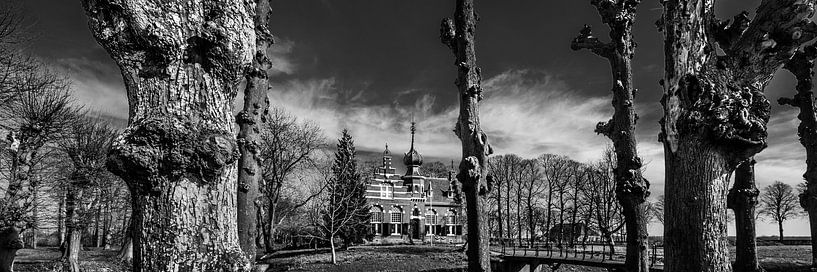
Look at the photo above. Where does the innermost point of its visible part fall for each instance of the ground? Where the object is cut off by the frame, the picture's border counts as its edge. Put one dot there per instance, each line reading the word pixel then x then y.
pixel 378 258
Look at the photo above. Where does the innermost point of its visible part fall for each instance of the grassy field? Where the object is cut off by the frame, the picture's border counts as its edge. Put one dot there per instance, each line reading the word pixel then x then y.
pixel 379 258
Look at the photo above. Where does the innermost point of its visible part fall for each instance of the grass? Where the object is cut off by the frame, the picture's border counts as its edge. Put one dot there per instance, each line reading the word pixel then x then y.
pixel 379 258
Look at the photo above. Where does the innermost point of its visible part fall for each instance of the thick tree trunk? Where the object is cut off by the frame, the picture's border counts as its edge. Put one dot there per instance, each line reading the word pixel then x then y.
pixel 715 114
pixel 458 35
pixel 695 233
pixel 178 154
pixel 802 66
pixel 10 242
pixel 780 230
pixel 742 199
pixel 250 121
pixel 632 189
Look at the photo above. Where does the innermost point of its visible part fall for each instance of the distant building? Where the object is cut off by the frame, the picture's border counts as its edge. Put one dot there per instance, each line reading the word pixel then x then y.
pixel 412 206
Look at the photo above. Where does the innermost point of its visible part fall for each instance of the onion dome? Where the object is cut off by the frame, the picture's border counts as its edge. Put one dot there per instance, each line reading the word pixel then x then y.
pixel 387 153
pixel 412 157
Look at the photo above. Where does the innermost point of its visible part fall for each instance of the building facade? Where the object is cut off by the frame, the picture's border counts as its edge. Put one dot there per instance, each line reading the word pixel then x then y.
pixel 413 207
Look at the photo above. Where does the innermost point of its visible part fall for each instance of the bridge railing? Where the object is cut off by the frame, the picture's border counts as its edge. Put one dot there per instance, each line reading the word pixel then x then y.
pixel 582 249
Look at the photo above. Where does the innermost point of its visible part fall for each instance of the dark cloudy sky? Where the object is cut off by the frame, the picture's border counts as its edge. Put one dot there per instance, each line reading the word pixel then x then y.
pixel 372 65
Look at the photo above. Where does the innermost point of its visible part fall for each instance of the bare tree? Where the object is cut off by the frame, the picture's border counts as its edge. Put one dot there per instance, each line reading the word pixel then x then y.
pixel 658 209
pixel 632 189
pixel 778 202
pixel 287 146
pixel 554 169
pixel 715 113
pixel 458 35
pixel 802 66
pixel 250 120
pixel 178 154
pixel 599 193
pixel 86 144
pixel 534 189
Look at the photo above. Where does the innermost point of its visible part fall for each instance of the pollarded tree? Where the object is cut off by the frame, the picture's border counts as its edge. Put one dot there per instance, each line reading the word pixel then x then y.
pixel 742 199
pixel 778 202
pixel 458 35
pixel 182 62
pixel 250 120
pixel 802 66
pixel 715 113
pixel 632 189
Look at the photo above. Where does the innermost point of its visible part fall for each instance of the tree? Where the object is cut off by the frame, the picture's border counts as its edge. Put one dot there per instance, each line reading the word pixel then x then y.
pixel 802 66
pixel 632 189
pixel 287 146
pixel 742 199
pixel 346 213
pixel 715 113
pixel 250 120
pixel 534 186
pixel 778 202
pixel 658 209
pixel 458 35
pixel 86 145
pixel 600 194
pixel 178 154
pixel 436 169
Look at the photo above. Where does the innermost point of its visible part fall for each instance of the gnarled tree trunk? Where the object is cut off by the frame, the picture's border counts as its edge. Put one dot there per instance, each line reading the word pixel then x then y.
pixel 742 199
pixel 802 66
pixel 458 35
pixel 182 62
pixel 715 114
pixel 250 121
pixel 632 189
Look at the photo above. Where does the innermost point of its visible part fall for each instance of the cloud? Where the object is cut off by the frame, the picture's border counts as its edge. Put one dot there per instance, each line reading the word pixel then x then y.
pixel 96 85
pixel 279 55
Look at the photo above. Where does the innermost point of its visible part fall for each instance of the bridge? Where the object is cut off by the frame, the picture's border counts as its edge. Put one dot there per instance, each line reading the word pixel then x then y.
pixel 532 258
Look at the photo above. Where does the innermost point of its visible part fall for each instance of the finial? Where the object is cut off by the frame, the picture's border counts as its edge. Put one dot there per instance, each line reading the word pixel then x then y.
pixel 413 130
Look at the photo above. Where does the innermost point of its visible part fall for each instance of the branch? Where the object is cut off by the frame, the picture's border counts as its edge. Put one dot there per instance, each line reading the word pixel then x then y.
pixel 586 40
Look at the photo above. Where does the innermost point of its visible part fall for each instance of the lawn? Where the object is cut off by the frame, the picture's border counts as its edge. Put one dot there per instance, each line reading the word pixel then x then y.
pixel 380 258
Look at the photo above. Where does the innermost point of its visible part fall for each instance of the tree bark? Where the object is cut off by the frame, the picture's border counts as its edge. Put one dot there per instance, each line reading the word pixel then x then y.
pixel 182 62
pixel 742 199
pixel 458 35
pixel 70 257
pixel 250 121
pixel 632 189
pixel 715 114
pixel 802 66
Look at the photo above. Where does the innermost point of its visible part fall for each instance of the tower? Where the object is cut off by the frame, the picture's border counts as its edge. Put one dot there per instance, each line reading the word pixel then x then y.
pixel 413 160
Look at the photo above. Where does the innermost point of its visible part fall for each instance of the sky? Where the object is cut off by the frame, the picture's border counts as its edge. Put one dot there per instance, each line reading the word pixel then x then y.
pixel 374 66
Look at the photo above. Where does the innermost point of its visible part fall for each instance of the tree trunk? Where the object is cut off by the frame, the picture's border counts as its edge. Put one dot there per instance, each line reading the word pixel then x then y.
pixel 179 151
pixel 499 214
pixel 802 66
pixel 250 121
pixel 458 35
pixel 632 189
pixel 70 257
pixel 10 242
pixel 126 251
pixel 332 247
pixel 61 221
pixel 780 230
pixel 715 114
pixel 270 241
pixel 742 199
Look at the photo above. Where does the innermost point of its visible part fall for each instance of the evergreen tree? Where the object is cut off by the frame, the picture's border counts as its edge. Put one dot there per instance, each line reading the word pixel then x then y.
pixel 347 213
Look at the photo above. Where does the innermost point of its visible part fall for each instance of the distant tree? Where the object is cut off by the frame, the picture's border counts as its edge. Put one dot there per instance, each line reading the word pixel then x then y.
pixel 287 146
pixel 658 209
pixel 436 169
pixel 346 212
pixel 778 202
pixel 742 199
pixel 86 145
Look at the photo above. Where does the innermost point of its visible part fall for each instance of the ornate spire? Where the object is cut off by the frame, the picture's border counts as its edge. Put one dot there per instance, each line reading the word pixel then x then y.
pixel 387 152
pixel 413 130
pixel 412 157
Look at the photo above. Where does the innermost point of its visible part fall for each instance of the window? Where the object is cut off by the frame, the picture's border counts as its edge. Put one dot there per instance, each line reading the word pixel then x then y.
pixel 397 218
pixel 431 217
pixel 451 218
pixel 386 190
pixel 377 215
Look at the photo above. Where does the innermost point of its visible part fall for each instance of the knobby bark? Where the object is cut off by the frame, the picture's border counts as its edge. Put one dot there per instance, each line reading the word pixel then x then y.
pixel 632 189
pixel 250 121
pixel 715 113
pixel 742 199
pixel 802 66
pixel 458 35
pixel 182 62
